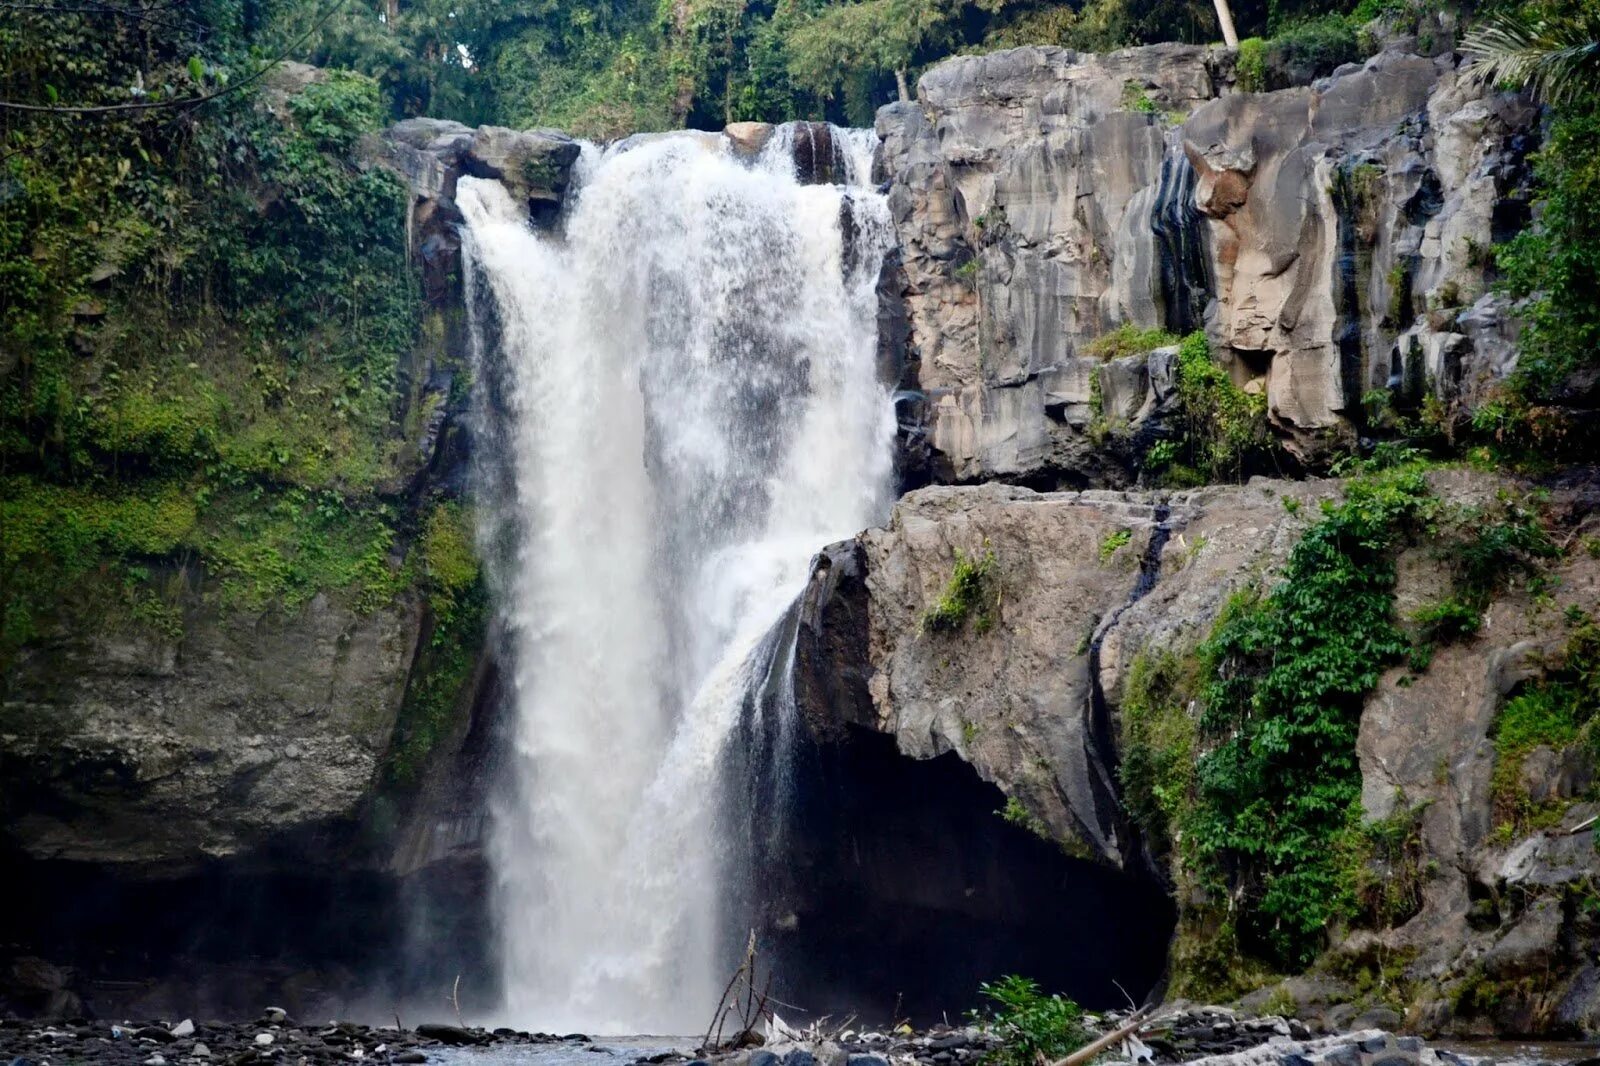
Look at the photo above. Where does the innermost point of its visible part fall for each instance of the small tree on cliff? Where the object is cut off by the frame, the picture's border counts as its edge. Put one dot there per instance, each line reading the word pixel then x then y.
pixel 871 37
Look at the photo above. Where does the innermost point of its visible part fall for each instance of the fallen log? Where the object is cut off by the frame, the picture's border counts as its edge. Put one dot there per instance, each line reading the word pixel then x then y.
pixel 1086 1053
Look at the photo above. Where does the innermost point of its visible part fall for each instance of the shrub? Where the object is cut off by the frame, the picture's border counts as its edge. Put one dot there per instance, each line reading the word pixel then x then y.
pixel 1030 1024
pixel 971 588
pixel 1319 44
pixel 1136 98
pixel 1287 676
pixel 1114 542
pixel 1016 814
pixel 1252 65
pixel 1223 426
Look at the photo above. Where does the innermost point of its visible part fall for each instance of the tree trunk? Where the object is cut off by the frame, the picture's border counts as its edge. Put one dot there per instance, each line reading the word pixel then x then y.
pixel 900 78
pixel 1230 36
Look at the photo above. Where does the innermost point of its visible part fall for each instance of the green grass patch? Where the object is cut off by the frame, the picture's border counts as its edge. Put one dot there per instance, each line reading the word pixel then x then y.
pixel 1114 542
pixel 1128 339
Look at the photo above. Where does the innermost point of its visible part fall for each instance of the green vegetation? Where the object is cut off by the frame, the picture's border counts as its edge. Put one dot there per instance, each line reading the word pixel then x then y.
pixel 1252 797
pixel 1287 673
pixel 1136 98
pixel 1554 265
pixel 206 315
pixel 1159 743
pixel 1316 45
pixel 1018 815
pixel 972 592
pixel 1251 68
pixel 459 607
pixel 1128 339
pixel 1113 542
pixel 1380 864
pixel 1486 549
pixel 1555 710
pixel 1222 428
pixel 1032 1026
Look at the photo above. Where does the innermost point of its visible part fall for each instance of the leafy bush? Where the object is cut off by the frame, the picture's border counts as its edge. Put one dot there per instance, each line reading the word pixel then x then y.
pixel 1251 67
pixel 1018 815
pixel 1287 675
pixel 1030 1024
pixel 1318 44
pixel 1451 618
pixel 1223 427
pixel 1114 542
pixel 972 589
pixel 1136 98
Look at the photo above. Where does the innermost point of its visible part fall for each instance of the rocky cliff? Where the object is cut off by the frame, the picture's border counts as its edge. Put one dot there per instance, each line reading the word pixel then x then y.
pixel 1330 239
pixel 1089 588
pixel 1062 219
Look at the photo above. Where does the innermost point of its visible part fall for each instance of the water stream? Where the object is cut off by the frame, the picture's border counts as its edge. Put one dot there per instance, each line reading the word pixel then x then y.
pixel 679 405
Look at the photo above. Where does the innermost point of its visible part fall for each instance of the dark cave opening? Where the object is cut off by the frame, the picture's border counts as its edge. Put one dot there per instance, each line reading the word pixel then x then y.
pixel 900 888
pixel 231 937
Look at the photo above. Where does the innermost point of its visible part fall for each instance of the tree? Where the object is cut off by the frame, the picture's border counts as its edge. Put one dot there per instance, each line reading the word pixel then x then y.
pixel 871 36
pixel 1553 266
pixel 1558 59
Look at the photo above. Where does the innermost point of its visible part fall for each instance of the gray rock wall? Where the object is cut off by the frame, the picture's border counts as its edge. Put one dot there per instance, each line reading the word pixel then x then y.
pixel 1033 703
pixel 1329 238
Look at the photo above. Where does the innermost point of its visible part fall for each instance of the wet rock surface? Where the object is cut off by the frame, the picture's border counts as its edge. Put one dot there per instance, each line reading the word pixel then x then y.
pixel 274 1038
pixel 1212 1035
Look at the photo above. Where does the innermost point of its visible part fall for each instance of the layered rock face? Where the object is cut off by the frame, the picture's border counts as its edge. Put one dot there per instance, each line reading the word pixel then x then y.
pixel 242 761
pixel 1086 582
pixel 1330 240
pixel 1024 701
pixel 162 754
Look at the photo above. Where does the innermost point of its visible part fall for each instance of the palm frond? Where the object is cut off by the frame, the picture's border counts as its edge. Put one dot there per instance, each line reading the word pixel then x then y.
pixel 1558 62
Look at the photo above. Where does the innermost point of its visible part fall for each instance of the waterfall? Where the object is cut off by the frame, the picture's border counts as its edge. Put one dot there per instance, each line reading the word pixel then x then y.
pixel 679 394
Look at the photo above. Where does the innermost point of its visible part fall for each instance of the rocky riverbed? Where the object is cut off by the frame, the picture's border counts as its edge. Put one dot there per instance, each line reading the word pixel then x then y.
pixel 1213 1036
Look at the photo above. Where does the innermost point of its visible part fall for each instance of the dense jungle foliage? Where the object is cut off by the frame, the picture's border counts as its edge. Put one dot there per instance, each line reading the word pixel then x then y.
pixel 207 326
pixel 617 66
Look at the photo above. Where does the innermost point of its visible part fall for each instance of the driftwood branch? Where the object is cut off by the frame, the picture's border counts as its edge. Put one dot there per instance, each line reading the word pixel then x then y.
pixel 1086 1053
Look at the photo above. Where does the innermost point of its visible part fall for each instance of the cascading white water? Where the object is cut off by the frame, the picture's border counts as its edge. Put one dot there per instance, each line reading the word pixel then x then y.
pixel 684 384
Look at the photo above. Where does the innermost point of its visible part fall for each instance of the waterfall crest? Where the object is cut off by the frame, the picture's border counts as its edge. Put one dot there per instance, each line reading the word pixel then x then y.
pixel 680 392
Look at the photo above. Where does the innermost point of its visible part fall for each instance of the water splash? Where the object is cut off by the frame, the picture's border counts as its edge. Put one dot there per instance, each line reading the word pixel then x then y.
pixel 681 392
